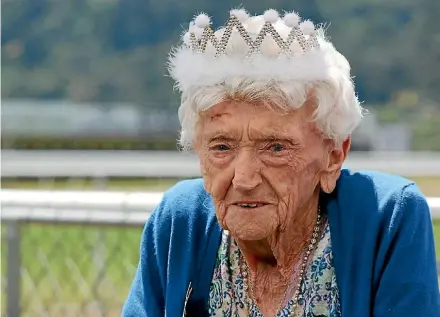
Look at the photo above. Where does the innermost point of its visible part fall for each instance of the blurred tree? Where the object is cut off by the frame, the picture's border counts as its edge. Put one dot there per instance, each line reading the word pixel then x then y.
pixel 116 50
pixel 77 48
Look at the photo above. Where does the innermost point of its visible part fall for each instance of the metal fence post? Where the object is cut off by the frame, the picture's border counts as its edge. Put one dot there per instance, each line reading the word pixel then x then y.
pixel 100 250
pixel 13 261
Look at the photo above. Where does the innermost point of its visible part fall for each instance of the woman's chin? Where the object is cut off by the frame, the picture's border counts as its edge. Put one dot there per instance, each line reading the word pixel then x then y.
pixel 252 224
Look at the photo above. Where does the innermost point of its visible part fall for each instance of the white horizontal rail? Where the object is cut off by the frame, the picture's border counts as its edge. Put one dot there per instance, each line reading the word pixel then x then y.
pixel 93 207
pixel 28 163
pixel 94 200
pixel 78 206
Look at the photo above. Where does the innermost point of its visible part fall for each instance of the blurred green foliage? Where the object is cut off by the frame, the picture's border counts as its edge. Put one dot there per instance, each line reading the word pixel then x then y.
pixel 132 144
pixel 116 50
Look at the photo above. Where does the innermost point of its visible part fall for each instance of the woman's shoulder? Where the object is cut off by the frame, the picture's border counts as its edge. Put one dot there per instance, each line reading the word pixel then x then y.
pixel 381 194
pixel 185 207
pixel 373 181
pixel 186 198
pixel 188 192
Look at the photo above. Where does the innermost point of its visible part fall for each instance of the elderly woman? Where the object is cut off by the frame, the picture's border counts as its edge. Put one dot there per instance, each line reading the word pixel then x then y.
pixel 276 227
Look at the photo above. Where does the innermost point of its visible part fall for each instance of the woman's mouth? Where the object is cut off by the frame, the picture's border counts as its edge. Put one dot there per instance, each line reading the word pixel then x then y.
pixel 250 204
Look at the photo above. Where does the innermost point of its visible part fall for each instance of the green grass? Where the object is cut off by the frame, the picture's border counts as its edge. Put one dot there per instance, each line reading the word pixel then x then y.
pixel 437 238
pixel 62 261
pixel 123 184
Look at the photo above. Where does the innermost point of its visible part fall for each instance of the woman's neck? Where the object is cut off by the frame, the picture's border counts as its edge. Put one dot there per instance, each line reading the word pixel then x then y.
pixel 272 261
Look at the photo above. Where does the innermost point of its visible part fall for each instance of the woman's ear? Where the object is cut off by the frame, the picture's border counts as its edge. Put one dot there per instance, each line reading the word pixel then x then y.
pixel 332 172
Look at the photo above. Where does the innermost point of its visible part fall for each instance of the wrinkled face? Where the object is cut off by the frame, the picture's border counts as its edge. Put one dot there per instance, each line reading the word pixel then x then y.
pixel 262 166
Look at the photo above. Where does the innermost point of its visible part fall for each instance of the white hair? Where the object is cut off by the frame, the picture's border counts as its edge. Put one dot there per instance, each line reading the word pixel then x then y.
pixel 337 109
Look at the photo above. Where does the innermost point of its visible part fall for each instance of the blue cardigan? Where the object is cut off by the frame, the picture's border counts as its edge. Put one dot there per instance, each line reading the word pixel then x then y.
pixel 382 240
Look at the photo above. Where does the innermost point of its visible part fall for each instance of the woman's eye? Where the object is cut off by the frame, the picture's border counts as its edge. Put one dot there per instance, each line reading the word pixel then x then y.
pixel 276 147
pixel 221 147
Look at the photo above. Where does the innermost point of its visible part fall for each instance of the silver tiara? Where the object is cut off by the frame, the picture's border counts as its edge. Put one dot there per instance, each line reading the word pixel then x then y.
pixel 200 33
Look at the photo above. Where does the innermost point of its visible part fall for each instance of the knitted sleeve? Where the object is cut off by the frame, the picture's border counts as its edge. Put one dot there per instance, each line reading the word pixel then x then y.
pixel 409 282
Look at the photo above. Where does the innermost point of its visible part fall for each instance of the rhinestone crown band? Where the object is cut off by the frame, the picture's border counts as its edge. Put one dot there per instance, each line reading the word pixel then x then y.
pixel 265 47
pixel 200 33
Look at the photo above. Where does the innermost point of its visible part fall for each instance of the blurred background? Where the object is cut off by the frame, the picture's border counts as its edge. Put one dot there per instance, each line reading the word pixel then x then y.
pixel 89 129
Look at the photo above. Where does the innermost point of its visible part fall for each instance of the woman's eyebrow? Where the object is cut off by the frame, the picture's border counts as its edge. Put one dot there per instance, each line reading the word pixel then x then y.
pixel 274 134
pixel 219 135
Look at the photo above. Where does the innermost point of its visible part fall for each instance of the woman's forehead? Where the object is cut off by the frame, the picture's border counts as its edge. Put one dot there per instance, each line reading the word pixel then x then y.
pixel 231 120
pixel 264 115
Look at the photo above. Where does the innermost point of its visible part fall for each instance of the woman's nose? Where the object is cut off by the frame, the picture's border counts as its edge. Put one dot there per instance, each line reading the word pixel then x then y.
pixel 247 172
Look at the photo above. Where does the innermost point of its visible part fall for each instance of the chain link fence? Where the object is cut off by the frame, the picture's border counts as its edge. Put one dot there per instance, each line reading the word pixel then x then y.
pixel 67 269
pixel 70 254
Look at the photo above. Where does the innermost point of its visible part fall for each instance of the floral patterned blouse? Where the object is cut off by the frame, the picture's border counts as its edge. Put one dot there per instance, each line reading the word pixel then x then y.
pixel 318 296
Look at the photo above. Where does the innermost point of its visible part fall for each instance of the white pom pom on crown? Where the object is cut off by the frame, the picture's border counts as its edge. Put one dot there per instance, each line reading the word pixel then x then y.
pixel 307 27
pixel 271 16
pixel 198 32
pixel 202 20
pixel 240 14
pixel 291 19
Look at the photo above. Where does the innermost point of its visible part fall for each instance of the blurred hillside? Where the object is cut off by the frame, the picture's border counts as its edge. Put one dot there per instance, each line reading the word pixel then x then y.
pixel 114 51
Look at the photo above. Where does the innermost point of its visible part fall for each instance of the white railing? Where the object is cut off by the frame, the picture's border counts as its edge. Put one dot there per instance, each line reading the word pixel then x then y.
pixel 103 207
pixel 78 206
pixel 44 164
